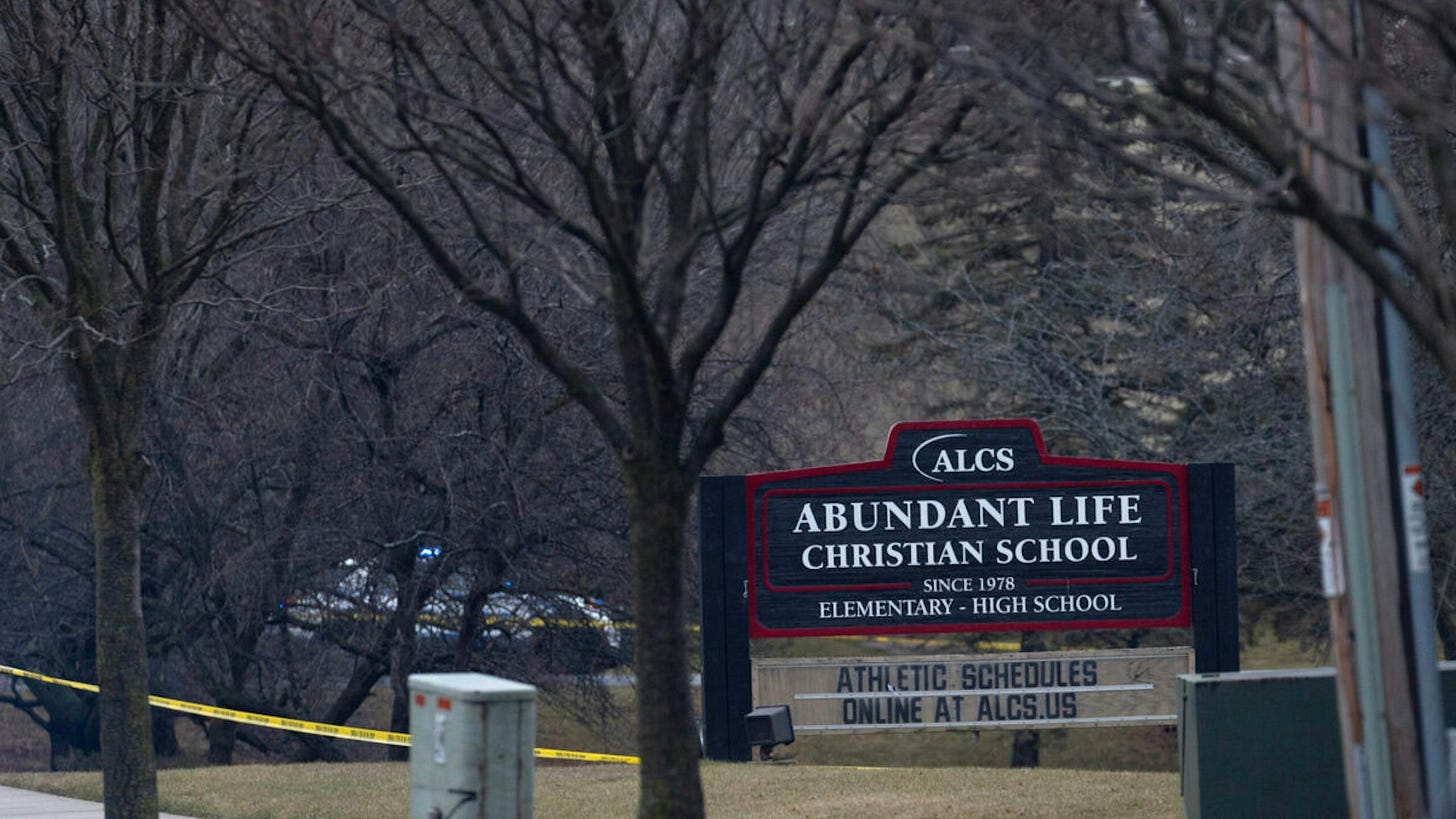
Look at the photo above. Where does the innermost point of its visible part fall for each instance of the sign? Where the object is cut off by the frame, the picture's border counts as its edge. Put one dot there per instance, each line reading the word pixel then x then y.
pixel 1034 690
pixel 1413 513
pixel 967 526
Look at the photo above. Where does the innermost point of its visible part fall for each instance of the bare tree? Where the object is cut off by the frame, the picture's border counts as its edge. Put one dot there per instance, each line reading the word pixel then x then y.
pixel 441 436
pixel 350 468
pixel 684 176
pixel 48 599
pixel 1209 79
pixel 130 147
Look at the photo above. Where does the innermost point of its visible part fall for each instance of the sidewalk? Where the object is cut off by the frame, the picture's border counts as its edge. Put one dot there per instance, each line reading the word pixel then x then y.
pixel 19 804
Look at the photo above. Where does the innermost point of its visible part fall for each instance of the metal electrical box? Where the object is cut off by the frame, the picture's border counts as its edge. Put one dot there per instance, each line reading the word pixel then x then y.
pixel 472 740
pixel 1261 743
pixel 1267 743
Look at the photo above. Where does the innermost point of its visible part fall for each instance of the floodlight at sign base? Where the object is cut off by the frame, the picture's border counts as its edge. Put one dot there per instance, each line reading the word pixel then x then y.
pixel 767 726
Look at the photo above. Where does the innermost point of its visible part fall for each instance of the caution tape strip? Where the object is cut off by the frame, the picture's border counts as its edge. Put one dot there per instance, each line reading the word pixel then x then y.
pixel 31 675
pixel 583 756
pixel 298 725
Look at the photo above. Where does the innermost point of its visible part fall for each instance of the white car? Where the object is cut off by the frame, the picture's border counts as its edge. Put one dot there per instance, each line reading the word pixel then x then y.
pixel 564 632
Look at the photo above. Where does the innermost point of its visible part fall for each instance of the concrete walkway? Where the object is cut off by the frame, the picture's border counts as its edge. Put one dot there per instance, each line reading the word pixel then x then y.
pixel 19 804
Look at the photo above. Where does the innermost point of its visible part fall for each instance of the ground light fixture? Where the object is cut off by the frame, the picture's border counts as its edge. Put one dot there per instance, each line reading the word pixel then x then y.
pixel 769 725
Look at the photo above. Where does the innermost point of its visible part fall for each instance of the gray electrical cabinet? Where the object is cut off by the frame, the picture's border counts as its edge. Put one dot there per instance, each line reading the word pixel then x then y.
pixel 472 742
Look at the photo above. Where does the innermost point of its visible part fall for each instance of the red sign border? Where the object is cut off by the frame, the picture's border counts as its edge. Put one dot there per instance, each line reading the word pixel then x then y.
pixel 1176 474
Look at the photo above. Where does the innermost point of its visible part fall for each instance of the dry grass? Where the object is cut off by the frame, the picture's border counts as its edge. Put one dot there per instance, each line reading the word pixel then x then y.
pixel 369 790
pixel 1087 772
pixel 752 791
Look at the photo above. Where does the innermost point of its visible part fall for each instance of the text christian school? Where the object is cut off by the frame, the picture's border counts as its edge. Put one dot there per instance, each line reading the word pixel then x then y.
pixel 967 527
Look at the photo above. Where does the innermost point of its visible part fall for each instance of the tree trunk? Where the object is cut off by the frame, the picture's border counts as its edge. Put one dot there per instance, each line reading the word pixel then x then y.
pixel 164 735
pixel 402 663
pixel 401 566
pixel 361 683
pixel 1026 744
pixel 222 738
pixel 67 757
pixel 71 721
pixel 657 506
pixel 1026 749
pixel 128 764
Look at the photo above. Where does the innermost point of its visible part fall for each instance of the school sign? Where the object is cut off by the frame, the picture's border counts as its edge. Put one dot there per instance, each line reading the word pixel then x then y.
pixel 967 527
pixel 961 526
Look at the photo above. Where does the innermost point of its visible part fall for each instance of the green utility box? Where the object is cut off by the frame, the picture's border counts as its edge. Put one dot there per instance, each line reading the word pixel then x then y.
pixel 472 747
pixel 1260 743
pixel 1267 743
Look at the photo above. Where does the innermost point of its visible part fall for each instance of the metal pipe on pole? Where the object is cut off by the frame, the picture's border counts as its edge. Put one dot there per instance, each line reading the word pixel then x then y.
pixel 1374 755
pixel 1418 597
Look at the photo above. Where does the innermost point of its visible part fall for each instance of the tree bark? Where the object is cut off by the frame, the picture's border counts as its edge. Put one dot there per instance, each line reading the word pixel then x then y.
pixel 128 764
pixel 657 504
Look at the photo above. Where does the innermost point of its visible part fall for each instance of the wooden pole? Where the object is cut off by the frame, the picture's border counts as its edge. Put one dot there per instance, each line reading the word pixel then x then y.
pixel 1359 548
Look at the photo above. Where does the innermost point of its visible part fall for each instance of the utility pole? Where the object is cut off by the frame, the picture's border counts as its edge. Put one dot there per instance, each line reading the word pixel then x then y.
pixel 1364 569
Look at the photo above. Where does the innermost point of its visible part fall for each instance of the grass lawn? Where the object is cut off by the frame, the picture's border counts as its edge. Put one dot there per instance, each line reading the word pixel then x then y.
pixel 1086 772
pixel 601 791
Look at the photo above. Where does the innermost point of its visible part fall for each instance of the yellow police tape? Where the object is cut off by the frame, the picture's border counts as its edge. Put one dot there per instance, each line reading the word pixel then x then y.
pixel 301 726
